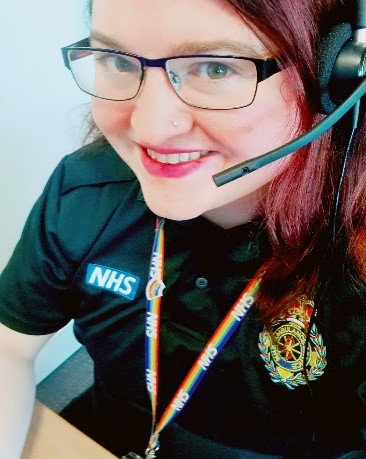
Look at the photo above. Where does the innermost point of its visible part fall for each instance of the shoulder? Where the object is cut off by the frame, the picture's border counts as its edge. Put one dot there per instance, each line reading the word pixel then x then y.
pixel 81 198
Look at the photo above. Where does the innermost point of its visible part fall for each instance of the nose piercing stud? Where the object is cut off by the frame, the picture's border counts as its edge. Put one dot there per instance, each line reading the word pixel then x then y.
pixel 175 123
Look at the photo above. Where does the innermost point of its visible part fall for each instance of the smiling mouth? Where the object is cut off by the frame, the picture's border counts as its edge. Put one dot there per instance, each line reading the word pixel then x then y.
pixel 176 158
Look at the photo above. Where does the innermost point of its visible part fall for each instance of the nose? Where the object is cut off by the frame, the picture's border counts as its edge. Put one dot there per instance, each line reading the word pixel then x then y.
pixel 157 112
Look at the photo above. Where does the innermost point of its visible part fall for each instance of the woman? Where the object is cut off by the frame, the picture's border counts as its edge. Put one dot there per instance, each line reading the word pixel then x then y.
pixel 133 240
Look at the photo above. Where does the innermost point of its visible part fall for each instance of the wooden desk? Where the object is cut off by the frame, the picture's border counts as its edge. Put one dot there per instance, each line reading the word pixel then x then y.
pixel 51 437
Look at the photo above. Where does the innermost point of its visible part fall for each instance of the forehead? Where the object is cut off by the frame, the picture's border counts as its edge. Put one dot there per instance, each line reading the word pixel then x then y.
pixel 157 27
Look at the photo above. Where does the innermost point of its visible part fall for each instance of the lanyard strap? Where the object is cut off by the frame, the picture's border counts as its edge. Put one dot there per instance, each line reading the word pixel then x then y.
pixel 227 327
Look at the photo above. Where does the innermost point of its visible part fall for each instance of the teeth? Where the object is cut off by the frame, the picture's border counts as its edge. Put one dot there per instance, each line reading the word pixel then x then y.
pixel 172 159
pixel 160 158
pixel 184 157
pixel 176 158
pixel 195 155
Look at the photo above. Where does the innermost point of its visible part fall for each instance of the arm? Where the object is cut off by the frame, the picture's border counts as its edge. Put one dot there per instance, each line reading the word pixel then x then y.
pixel 17 388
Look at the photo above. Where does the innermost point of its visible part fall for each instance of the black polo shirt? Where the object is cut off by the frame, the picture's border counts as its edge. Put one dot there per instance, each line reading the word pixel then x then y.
pixel 84 255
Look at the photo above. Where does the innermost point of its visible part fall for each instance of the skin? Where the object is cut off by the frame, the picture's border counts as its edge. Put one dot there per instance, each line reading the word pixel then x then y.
pixel 161 29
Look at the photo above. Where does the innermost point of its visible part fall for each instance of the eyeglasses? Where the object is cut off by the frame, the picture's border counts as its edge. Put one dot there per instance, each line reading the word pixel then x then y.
pixel 204 81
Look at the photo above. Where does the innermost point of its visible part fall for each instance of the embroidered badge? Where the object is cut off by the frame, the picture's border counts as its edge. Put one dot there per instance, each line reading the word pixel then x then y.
pixel 283 350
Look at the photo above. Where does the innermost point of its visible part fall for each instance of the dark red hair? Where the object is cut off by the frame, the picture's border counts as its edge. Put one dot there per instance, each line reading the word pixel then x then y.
pixel 299 205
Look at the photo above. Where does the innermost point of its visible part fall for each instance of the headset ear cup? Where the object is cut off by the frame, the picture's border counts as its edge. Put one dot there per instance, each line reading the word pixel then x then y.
pixel 330 47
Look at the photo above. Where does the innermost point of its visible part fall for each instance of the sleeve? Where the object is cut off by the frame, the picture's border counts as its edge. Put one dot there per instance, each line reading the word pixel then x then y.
pixel 35 293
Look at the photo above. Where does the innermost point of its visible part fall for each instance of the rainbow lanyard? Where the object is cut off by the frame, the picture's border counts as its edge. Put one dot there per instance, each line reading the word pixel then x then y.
pixel 154 292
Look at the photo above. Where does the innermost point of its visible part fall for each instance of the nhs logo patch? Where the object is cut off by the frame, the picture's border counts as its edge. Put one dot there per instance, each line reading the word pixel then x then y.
pixel 118 282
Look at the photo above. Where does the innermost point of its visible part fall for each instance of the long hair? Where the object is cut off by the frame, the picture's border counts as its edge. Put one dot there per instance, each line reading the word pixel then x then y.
pixel 299 205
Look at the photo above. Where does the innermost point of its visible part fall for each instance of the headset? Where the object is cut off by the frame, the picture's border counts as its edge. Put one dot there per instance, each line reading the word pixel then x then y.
pixel 342 84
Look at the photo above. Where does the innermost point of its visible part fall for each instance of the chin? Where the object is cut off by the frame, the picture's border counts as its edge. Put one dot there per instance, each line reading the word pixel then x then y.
pixel 174 213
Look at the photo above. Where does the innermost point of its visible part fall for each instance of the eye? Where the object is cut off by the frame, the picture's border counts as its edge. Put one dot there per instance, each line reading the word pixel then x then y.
pixel 214 70
pixel 117 62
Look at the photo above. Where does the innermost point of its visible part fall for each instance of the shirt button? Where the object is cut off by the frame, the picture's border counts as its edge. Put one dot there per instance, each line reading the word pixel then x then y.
pixel 201 282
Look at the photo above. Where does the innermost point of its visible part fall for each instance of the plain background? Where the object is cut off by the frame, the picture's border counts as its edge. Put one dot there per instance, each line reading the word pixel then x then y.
pixel 41 119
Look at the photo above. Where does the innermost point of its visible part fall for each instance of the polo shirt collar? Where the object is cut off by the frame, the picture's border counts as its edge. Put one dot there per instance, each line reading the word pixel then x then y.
pixel 240 244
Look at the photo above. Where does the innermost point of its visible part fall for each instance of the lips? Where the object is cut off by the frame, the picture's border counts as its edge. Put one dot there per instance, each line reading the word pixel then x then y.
pixel 176 158
pixel 172 163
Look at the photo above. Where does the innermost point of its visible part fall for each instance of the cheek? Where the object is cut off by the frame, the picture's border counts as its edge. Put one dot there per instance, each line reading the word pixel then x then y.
pixel 274 114
pixel 111 117
pixel 276 100
pixel 268 122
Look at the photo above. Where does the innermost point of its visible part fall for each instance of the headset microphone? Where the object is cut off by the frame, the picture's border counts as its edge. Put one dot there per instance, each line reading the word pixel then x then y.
pixel 342 64
pixel 246 167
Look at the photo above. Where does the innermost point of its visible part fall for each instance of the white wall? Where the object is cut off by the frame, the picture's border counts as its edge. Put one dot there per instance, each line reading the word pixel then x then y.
pixel 40 115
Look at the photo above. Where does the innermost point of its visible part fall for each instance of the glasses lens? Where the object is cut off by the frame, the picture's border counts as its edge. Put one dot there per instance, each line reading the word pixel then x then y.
pixel 105 74
pixel 214 82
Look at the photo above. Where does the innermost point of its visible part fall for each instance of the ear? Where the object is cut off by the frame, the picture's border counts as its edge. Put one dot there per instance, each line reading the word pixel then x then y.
pixel 330 48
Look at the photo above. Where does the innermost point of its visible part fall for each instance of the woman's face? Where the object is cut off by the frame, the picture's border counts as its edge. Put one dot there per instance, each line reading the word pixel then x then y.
pixel 204 141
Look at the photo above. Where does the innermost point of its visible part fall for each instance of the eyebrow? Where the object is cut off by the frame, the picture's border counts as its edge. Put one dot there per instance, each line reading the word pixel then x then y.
pixel 189 47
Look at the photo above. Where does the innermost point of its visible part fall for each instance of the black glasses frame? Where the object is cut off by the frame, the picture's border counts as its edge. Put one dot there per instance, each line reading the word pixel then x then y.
pixel 265 67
